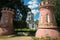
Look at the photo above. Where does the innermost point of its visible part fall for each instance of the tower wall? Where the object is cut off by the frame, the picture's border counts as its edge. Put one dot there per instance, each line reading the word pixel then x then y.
pixel 47 26
pixel 6 21
pixel 47 18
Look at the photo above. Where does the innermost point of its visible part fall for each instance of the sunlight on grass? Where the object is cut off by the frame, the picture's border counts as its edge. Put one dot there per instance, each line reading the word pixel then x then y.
pixel 9 36
pixel 47 38
pixel 34 38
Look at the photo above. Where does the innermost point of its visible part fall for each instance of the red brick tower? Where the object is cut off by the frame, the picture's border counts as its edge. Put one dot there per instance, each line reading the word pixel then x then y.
pixel 6 24
pixel 47 25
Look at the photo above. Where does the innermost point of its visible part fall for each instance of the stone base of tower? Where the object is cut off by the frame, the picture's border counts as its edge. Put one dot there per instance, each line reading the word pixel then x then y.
pixel 53 33
pixel 6 31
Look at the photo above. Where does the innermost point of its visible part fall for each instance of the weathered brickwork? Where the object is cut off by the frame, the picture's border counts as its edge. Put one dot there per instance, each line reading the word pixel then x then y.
pixel 49 21
pixel 6 23
pixel 47 26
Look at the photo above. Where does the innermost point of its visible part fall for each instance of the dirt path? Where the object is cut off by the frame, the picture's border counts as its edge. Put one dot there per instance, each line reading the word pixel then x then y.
pixel 18 38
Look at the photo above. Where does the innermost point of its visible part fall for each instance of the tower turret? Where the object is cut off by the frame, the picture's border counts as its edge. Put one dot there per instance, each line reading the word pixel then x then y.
pixel 47 23
pixel 6 21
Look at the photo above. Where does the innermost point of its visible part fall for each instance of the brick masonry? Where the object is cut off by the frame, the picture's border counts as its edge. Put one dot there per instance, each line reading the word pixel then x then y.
pixel 47 26
pixel 6 23
pixel 50 23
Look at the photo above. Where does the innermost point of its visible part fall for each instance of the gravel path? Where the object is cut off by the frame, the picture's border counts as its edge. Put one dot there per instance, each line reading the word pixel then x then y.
pixel 18 38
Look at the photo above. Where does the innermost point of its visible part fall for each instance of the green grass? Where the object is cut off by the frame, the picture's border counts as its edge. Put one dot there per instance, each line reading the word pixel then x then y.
pixel 34 38
pixel 47 38
pixel 9 36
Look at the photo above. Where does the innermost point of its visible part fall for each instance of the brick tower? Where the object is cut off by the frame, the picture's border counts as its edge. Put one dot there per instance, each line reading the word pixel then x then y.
pixel 6 23
pixel 47 24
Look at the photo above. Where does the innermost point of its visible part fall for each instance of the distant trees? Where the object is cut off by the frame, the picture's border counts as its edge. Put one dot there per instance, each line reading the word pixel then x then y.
pixel 57 11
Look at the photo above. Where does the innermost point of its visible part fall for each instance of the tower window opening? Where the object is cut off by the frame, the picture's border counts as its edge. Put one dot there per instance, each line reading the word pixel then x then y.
pixel 46 17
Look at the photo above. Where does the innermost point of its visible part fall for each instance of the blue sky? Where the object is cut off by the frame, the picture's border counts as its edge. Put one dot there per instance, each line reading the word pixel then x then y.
pixel 33 5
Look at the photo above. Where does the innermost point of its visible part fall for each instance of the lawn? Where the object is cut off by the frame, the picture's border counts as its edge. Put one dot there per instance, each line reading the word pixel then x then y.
pixel 34 38
pixel 47 38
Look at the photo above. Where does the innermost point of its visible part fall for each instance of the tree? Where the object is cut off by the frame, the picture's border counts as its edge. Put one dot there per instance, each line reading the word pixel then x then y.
pixel 57 11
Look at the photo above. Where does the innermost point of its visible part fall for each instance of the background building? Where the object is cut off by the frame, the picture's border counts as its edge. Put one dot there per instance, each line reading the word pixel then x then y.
pixel 30 21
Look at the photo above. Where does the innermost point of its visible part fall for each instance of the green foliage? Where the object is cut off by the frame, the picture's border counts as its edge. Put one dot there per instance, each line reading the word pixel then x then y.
pixel 24 29
pixel 57 11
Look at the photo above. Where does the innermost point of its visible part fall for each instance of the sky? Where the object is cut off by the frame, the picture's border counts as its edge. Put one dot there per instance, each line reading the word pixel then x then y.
pixel 33 5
